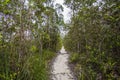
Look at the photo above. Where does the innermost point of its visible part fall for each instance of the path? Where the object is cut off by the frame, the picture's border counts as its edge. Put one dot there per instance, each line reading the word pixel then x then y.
pixel 61 70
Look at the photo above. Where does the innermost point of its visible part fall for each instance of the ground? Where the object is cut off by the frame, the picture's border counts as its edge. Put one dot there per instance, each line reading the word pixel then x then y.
pixel 60 68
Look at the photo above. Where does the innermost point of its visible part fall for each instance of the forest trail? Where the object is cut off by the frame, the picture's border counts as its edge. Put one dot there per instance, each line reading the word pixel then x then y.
pixel 61 70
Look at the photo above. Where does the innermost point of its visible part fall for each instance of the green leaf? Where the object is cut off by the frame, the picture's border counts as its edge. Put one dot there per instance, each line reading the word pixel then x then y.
pixel 33 48
pixel 6 2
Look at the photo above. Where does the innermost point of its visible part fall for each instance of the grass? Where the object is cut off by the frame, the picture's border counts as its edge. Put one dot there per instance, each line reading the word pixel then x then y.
pixel 36 66
pixel 74 57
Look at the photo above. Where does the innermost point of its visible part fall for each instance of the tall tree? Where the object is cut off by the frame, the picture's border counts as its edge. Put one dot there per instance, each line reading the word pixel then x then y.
pixel 94 36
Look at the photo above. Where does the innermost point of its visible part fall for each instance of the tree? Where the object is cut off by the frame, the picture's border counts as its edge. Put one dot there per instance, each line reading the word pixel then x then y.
pixel 93 35
pixel 29 35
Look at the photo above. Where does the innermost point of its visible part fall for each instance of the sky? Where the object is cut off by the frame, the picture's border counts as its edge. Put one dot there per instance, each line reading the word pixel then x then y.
pixel 66 10
pixel 65 14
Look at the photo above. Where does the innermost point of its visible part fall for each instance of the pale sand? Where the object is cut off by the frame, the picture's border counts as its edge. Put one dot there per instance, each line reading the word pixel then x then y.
pixel 61 70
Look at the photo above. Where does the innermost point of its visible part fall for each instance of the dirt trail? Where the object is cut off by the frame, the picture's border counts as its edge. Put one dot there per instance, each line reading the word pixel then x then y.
pixel 61 70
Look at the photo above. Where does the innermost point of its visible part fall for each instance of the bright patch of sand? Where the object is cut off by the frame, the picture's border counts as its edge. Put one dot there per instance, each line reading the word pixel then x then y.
pixel 61 70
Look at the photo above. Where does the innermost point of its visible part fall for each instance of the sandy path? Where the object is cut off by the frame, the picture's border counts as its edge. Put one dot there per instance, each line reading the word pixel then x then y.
pixel 61 71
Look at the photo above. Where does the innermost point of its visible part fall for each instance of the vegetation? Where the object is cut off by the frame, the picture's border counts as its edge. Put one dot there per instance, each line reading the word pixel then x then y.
pixel 93 39
pixel 29 38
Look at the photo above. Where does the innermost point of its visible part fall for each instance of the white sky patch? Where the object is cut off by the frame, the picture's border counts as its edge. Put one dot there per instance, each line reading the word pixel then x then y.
pixel 65 14
pixel 66 10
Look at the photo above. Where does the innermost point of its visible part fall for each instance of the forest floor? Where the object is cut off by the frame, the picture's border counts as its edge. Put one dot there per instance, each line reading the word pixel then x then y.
pixel 60 68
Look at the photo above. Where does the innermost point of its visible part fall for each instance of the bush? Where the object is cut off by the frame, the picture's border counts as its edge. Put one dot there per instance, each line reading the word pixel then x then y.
pixel 35 67
pixel 74 58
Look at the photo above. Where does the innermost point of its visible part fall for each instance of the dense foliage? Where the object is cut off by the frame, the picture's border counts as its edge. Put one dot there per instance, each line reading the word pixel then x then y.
pixel 29 37
pixel 94 39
